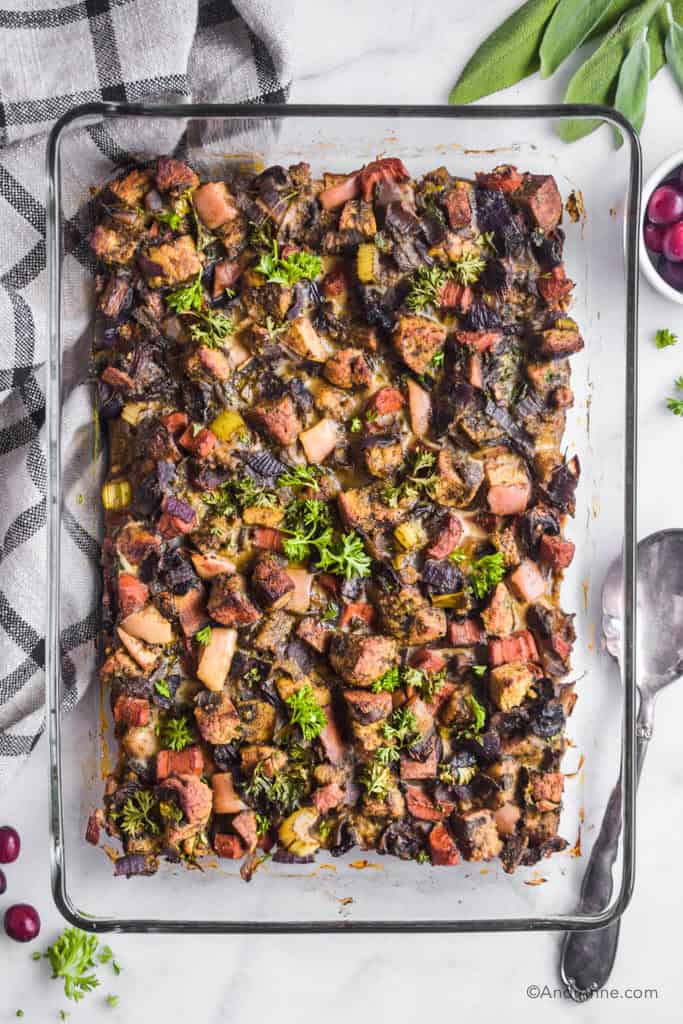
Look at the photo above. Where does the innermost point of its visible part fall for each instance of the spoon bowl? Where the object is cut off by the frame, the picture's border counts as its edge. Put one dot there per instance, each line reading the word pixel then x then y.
pixel 588 957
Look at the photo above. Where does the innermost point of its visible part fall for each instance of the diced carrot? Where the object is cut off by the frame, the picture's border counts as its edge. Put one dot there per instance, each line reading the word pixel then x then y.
pixel 117 378
pixel 556 552
pixel 505 178
pixel 465 634
pixel 415 770
pixel 267 538
pixel 175 422
pixel 244 824
pixel 442 847
pixel 480 341
pixel 200 443
pixel 178 762
pixel 229 846
pixel 357 610
pixel 421 805
pixel 517 647
pixel 447 537
pixel 327 797
pixel 427 660
pixel 131 710
pixel 386 400
pixel 132 593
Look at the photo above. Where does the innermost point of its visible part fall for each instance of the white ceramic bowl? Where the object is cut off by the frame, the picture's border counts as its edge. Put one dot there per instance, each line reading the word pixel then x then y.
pixel 660 172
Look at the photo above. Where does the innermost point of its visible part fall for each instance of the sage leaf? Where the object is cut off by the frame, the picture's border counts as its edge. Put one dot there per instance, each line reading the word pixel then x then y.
pixel 507 56
pixel 596 80
pixel 673 47
pixel 632 84
pixel 571 23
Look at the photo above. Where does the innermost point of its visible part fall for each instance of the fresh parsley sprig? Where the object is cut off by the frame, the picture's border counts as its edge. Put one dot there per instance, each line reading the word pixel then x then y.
pixel 664 338
pixel 188 299
pixel 425 287
pixel 288 270
pixel 345 556
pixel 305 712
pixel 72 957
pixel 212 329
pixel 299 476
pixel 176 733
pixel 486 573
pixel 134 818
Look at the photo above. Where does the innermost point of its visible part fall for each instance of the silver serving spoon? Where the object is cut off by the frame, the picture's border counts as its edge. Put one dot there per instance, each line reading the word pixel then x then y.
pixel 588 956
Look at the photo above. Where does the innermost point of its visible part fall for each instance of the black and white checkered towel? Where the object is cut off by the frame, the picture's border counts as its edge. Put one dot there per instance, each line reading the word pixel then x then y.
pixel 55 55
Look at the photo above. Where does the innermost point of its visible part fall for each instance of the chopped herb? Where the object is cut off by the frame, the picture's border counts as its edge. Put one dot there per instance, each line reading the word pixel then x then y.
pixel 213 329
pixel 116 967
pixel 324 830
pixel 664 337
pixel 176 733
pixel 486 241
pixel 262 823
pixel 458 556
pixel 355 426
pixel 479 712
pixel 468 268
pixel 675 405
pixel 112 1000
pixel 197 428
pixel 235 495
pixel 437 359
pixel 36 956
pixel 71 957
pixel 289 269
pixel 345 556
pixel 170 218
pixel 422 857
pixel 305 712
pixel 389 681
pixel 479 670
pixel 425 287
pixel 105 954
pixel 63 1014
pixel 371 415
pixel 387 755
pixel 261 234
pixel 376 780
pixel 299 476
pixel 331 612
pixel 486 573
pixel 135 817
pixel 308 524
pixel 161 687
pixel 426 683
pixel 203 636
pixel 401 727
pixel 457 776
pixel 417 480
pixel 188 299
pixel 19 1013
pixel 285 790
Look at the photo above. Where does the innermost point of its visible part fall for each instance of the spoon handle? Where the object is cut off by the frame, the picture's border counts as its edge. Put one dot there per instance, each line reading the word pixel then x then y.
pixel 588 956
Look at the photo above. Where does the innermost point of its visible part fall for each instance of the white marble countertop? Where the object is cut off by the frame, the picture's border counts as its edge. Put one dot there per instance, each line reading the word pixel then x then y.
pixel 403 51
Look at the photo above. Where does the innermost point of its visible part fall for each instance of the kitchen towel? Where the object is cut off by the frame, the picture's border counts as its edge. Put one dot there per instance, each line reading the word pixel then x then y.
pixel 54 56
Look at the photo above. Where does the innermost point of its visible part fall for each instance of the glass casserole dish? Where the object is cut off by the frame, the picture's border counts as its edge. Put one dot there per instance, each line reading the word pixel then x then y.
pixel 359 893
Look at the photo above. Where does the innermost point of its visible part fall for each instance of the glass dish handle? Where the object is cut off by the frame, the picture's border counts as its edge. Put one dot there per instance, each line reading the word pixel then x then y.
pixel 588 956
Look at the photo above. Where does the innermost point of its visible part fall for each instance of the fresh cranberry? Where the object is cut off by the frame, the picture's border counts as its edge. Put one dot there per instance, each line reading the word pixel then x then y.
pixel 654 237
pixel 672 273
pixel 673 243
pixel 22 922
pixel 665 206
pixel 10 844
pixel 3 882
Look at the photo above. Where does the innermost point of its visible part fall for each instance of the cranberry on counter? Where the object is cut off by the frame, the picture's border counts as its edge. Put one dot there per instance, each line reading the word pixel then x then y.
pixel 10 844
pixel 22 922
